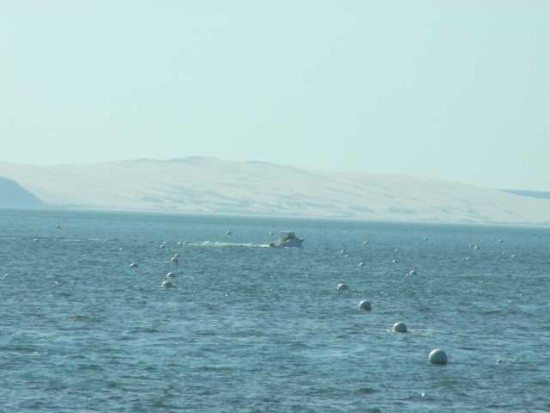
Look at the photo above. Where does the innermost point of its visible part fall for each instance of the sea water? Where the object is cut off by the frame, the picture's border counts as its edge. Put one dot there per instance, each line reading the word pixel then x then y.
pixel 248 328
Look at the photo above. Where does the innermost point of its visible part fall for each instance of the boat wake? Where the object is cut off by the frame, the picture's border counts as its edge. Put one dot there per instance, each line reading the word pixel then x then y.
pixel 225 244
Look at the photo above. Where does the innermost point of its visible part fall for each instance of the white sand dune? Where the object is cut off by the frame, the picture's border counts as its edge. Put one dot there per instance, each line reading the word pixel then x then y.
pixel 210 185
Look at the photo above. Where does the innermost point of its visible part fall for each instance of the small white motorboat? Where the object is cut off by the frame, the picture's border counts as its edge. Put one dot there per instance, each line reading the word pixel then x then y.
pixel 288 240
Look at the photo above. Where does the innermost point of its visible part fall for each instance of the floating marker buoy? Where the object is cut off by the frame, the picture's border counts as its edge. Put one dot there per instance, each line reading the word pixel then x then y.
pixel 133 265
pixel 364 305
pixel 167 284
pixel 361 264
pixel 399 328
pixel 438 356
pixel 170 275
pixel 412 272
pixel 341 287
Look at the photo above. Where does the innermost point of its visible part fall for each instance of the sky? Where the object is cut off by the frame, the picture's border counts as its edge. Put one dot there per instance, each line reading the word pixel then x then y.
pixel 454 90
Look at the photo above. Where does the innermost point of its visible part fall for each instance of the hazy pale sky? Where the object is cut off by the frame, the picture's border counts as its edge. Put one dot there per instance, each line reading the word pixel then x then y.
pixel 458 90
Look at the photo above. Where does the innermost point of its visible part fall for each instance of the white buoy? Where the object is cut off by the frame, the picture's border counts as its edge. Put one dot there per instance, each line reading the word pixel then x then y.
pixel 364 305
pixel 394 261
pixel 412 272
pixel 438 356
pixel 399 328
pixel 175 260
pixel 133 265
pixel 228 232
pixel 170 275
pixel 342 252
pixel 341 287
pixel 365 242
pixel 161 246
pixel 361 264
pixel 167 284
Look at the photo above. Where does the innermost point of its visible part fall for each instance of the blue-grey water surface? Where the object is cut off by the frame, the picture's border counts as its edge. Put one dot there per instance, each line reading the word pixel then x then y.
pixel 248 328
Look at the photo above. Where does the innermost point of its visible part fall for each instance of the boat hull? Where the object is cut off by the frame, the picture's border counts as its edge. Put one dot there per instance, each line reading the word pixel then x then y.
pixel 293 243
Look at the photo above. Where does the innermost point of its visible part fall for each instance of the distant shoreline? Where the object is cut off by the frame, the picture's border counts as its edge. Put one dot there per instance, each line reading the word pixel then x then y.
pixel 328 219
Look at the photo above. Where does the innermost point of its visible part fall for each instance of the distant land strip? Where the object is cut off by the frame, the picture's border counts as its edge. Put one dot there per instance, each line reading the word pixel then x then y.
pixel 13 195
pixel 530 194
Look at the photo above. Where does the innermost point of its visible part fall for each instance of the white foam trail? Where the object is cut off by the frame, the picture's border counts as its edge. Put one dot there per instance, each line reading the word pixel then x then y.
pixel 225 244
